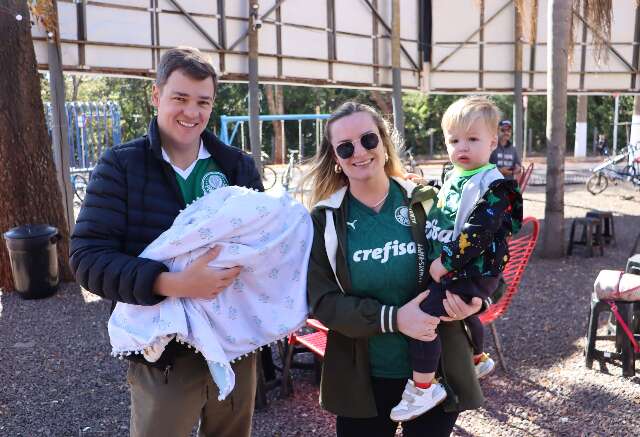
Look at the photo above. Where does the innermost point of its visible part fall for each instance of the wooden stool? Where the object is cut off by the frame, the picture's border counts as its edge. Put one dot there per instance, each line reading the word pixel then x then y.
pixel 624 355
pixel 591 235
pixel 608 227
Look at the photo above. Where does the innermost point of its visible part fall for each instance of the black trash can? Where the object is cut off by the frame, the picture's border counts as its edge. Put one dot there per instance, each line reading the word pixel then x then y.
pixel 34 260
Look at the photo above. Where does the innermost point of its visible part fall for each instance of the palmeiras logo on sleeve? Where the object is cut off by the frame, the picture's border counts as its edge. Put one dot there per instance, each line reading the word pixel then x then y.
pixel 213 180
pixel 402 215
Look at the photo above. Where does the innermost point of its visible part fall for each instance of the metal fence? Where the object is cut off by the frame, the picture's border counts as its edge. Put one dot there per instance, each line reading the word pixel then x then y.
pixel 238 130
pixel 91 127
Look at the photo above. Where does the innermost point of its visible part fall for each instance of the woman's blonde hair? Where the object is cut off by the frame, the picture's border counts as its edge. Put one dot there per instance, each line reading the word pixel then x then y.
pixel 463 112
pixel 322 178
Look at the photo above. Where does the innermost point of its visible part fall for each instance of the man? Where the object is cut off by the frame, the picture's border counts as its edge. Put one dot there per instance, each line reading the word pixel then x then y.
pixel 505 156
pixel 136 191
pixel 602 145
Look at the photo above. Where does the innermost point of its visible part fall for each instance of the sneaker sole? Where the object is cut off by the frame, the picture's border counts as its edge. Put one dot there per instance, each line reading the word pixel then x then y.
pixel 406 419
pixel 486 372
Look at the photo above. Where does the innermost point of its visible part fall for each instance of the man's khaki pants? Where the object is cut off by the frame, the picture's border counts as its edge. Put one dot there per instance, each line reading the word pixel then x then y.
pixel 171 404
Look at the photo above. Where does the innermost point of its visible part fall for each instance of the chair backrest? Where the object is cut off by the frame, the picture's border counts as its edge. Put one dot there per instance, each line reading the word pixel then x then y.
pixel 317 324
pixel 520 250
pixel 523 180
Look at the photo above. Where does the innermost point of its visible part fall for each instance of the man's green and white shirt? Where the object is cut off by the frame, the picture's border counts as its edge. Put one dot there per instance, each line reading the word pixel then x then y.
pixel 381 257
pixel 201 177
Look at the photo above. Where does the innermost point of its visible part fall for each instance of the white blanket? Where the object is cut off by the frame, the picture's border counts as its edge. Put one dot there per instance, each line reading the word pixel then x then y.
pixel 270 236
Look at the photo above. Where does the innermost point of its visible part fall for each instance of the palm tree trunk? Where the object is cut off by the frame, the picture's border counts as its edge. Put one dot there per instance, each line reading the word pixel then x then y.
pixel 559 25
pixel 29 190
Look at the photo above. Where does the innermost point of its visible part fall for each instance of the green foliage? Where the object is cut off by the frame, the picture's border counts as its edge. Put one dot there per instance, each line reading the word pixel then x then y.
pixel 423 113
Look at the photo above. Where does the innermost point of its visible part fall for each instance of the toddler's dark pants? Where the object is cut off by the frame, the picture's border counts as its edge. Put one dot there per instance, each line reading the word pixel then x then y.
pixel 477 333
pixel 425 355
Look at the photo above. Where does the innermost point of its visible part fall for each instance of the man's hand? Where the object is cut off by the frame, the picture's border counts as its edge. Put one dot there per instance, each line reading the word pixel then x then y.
pixel 415 323
pixel 517 169
pixel 198 280
pixel 505 171
pixel 437 270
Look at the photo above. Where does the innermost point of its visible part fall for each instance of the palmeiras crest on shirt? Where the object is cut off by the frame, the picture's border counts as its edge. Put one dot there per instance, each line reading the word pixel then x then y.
pixel 402 215
pixel 213 180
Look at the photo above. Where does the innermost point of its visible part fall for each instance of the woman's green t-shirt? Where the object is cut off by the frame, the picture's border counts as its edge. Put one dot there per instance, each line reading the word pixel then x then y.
pixel 381 256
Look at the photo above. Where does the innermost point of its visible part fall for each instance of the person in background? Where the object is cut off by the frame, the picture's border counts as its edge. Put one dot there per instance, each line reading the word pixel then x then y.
pixel 505 156
pixel 602 146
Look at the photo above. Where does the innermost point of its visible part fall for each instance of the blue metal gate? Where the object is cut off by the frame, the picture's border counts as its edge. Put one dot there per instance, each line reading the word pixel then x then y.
pixel 91 127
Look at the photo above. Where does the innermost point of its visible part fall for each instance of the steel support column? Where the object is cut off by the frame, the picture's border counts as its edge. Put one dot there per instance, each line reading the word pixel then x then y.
pixel 254 102
pixel 398 113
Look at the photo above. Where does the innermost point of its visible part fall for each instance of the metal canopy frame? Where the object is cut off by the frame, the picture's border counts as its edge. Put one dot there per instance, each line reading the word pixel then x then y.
pixel 220 47
pixel 432 51
pixel 603 78
pixel 195 24
pixel 479 30
pixel 376 14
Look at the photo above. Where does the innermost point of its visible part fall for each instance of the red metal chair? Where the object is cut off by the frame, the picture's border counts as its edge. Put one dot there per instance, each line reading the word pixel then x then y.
pixel 523 180
pixel 520 250
pixel 315 342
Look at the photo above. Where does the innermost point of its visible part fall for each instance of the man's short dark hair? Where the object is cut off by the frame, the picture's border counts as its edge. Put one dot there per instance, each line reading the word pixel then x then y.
pixel 191 61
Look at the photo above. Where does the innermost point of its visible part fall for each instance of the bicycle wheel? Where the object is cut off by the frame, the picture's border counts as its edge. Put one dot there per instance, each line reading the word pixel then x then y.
pixel 269 177
pixel 597 183
pixel 291 178
pixel 446 168
pixel 629 172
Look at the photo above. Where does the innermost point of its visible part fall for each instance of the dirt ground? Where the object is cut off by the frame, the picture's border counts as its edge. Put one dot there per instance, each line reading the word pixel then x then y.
pixel 547 391
pixel 58 378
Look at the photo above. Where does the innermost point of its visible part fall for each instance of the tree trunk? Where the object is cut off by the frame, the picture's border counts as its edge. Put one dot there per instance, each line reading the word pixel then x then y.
pixel 559 24
pixel 383 101
pixel 275 101
pixel 635 121
pixel 29 191
pixel 580 147
pixel 76 81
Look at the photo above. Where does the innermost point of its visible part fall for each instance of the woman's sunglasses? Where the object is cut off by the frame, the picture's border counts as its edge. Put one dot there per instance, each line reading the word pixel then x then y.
pixel 369 141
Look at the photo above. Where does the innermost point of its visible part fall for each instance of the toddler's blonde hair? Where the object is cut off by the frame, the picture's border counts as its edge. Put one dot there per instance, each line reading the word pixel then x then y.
pixel 463 112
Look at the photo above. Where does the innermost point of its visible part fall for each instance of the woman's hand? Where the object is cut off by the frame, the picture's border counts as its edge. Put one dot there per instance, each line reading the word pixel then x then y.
pixel 457 308
pixel 415 323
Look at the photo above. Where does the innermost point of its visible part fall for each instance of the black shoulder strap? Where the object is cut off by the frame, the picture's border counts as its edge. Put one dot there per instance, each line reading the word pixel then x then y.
pixel 418 215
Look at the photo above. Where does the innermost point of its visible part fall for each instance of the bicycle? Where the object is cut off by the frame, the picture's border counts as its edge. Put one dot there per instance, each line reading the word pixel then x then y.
pixel 79 182
pixel 410 165
pixel 293 173
pixel 446 168
pixel 269 175
pixel 610 170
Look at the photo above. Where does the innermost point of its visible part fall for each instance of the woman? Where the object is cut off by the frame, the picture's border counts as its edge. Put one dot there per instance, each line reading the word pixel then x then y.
pixel 366 267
